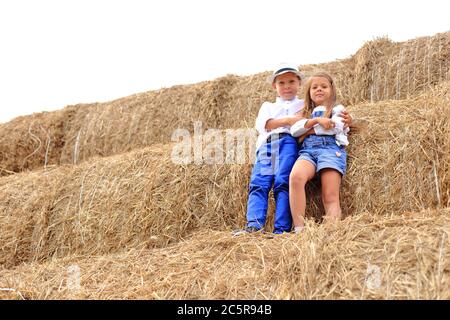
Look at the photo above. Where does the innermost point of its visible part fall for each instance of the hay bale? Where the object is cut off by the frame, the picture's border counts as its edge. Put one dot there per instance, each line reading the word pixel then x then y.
pixel 365 257
pixel 34 141
pixel 342 72
pixel 385 70
pixel 398 161
pixel 144 119
pixel 139 199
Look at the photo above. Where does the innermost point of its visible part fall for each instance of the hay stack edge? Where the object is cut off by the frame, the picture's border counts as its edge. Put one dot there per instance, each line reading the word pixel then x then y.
pixel 93 206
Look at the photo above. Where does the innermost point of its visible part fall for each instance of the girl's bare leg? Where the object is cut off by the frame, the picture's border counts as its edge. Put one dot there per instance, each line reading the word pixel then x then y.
pixel 301 173
pixel 331 183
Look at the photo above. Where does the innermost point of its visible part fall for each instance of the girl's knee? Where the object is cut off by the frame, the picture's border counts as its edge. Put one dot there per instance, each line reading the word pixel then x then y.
pixel 330 197
pixel 297 179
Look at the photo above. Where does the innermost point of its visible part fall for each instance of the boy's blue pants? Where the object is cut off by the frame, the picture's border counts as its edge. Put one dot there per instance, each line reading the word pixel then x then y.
pixel 274 161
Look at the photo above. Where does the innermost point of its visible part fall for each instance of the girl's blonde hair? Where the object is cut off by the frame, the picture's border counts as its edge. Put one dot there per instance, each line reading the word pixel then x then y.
pixel 309 104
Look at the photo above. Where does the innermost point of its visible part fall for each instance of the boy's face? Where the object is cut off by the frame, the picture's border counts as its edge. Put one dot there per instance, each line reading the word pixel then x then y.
pixel 287 85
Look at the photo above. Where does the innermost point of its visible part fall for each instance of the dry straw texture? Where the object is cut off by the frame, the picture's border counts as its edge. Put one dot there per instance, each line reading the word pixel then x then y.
pixel 106 199
pixel 366 257
pixel 34 141
pixel 139 199
pixel 399 161
pixel 380 70
pixel 400 154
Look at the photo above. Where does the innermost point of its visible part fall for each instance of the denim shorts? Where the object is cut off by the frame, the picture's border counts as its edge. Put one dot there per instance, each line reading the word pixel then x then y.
pixel 323 152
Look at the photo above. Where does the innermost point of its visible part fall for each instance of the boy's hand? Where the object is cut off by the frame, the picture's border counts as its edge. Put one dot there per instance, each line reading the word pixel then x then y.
pixel 346 118
pixel 295 118
pixel 326 123
pixel 308 133
pixel 282 122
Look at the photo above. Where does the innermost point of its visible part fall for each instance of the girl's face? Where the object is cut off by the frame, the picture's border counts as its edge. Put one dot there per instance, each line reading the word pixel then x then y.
pixel 287 85
pixel 320 91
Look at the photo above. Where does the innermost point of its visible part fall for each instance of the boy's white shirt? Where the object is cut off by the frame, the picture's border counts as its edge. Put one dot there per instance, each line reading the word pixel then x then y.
pixel 275 110
pixel 338 131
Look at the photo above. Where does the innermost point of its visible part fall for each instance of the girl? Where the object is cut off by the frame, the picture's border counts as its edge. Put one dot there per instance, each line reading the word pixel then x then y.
pixel 322 150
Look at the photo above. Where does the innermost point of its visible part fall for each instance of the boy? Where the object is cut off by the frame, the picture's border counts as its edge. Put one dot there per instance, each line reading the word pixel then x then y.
pixel 276 152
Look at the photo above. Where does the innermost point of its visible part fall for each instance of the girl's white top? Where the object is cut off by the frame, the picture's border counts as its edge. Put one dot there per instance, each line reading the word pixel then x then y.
pixel 338 131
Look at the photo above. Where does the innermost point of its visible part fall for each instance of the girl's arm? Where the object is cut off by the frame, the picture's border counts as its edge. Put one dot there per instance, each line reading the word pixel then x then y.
pixel 326 123
pixel 340 121
pixel 304 126
pixel 272 124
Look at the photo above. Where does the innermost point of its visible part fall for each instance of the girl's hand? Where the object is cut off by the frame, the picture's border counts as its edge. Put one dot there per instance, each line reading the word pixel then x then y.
pixel 346 118
pixel 326 123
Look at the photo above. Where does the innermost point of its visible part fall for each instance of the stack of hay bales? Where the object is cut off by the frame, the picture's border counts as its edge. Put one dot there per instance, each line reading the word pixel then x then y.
pixel 399 161
pixel 110 197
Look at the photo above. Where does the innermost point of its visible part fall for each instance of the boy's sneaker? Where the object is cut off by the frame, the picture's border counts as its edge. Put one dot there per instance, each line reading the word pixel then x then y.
pixel 246 230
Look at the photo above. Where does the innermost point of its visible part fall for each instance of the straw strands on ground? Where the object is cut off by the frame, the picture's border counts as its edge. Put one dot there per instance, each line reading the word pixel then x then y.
pixel 380 70
pixel 365 257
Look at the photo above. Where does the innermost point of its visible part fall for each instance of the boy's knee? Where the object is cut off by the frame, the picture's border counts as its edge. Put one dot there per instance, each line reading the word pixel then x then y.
pixel 259 188
pixel 281 182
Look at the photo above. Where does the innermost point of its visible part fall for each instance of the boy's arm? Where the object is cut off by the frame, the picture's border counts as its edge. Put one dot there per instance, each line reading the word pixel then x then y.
pixel 272 124
pixel 303 136
pixel 346 118
pixel 298 129
pixel 261 119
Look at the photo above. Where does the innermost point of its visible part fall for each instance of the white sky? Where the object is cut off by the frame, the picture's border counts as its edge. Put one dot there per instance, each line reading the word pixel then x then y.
pixel 59 52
